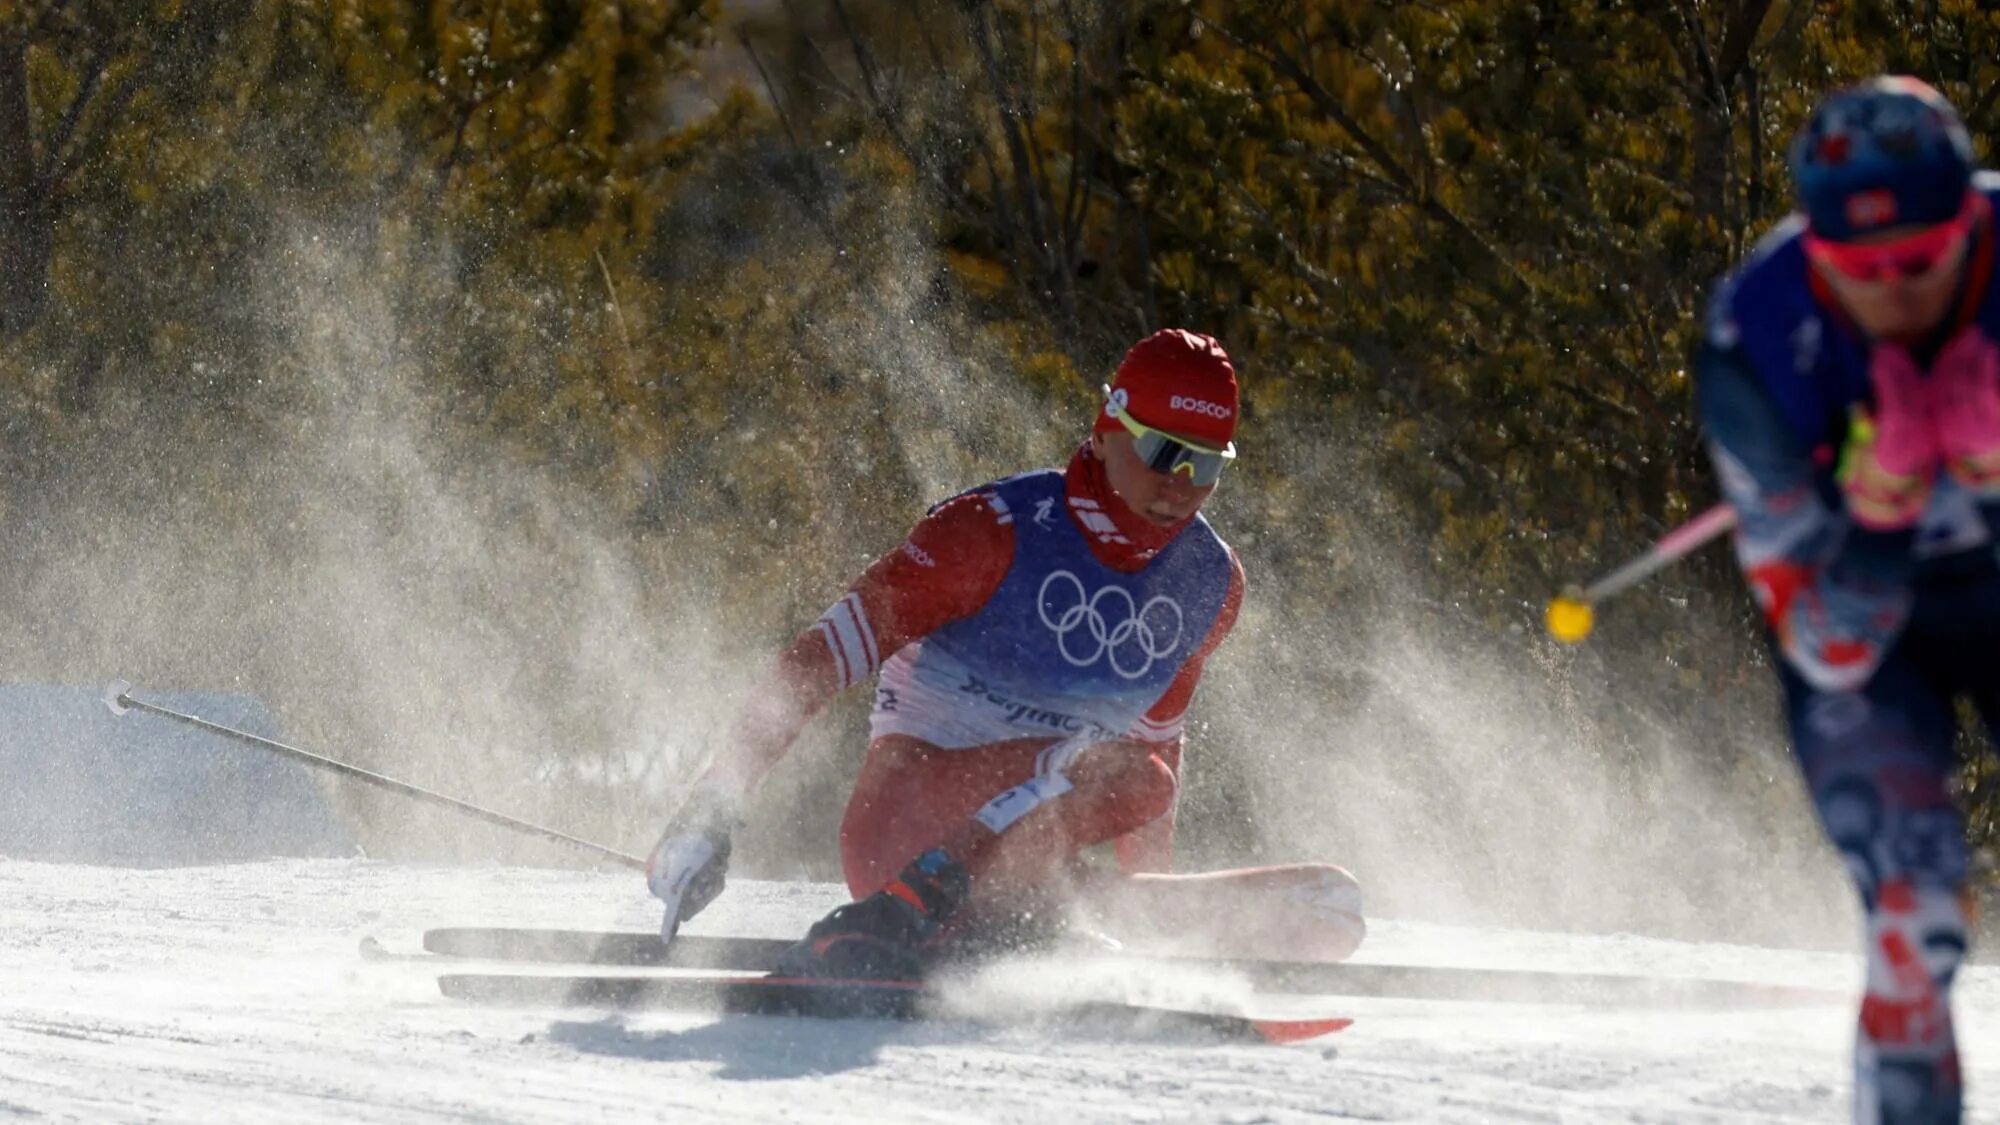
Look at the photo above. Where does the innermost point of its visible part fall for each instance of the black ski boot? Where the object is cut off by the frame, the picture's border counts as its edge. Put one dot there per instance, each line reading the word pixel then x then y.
pixel 888 935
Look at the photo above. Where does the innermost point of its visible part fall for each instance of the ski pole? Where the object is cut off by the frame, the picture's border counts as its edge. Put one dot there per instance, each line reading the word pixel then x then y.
pixel 1571 615
pixel 119 699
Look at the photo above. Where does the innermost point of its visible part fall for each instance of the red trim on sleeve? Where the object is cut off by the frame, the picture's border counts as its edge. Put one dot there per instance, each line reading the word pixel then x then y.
pixel 849 673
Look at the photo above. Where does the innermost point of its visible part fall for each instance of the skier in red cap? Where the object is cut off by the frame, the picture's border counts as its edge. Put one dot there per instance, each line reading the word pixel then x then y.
pixel 1035 642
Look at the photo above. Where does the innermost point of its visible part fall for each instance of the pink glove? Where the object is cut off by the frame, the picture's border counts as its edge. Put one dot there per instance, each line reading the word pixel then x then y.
pixel 1967 381
pixel 1892 453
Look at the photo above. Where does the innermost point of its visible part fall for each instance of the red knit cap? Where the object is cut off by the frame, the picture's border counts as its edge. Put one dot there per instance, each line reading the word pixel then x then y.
pixel 1177 381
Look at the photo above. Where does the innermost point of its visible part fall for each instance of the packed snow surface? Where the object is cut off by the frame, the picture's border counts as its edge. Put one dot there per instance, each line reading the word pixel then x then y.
pixel 237 993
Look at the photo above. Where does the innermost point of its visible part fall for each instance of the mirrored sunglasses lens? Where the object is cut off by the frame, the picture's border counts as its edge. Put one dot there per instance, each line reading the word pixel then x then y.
pixel 1853 264
pixel 1914 258
pixel 1199 467
pixel 1157 450
pixel 1163 454
pixel 1860 268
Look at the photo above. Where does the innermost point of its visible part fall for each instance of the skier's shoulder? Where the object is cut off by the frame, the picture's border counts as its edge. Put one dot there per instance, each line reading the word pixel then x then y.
pixel 1768 297
pixel 1202 536
pixel 1768 337
pixel 1000 500
pixel 980 520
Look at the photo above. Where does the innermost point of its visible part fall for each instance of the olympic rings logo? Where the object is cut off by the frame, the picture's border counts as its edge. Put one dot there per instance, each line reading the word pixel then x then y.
pixel 1138 632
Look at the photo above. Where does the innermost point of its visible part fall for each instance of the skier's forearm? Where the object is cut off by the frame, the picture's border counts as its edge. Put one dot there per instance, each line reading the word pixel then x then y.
pixel 1834 594
pixel 784 698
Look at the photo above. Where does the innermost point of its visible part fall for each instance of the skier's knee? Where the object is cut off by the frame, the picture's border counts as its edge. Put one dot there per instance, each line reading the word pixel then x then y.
pixel 1150 790
pixel 1317 911
pixel 1331 898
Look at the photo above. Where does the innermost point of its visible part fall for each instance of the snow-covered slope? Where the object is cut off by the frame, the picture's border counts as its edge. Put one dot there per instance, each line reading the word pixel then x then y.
pixel 235 993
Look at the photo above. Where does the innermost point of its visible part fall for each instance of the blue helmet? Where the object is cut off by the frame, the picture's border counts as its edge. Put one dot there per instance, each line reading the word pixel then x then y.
pixel 1887 152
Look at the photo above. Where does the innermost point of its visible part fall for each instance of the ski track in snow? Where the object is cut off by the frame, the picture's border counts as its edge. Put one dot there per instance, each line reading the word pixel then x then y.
pixel 236 993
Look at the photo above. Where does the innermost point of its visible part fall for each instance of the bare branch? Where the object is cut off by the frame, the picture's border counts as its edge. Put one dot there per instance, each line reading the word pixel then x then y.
pixel 1020 97
pixel 1017 146
pixel 1795 21
pixel 812 49
pixel 1075 203
pixel 1739 36
pixel 1703 73
pixel 931 47
pixel 57 151
pixel 1984 104
pixel 771 91
pixel 865 60
pixel 472 107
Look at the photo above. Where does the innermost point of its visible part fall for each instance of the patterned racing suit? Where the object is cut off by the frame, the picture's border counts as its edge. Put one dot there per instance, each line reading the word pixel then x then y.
pixel 1878 633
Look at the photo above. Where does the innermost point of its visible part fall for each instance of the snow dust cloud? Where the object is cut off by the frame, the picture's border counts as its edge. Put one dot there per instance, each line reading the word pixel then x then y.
pixel 346 545
pixel 401 597
pixel 453 613
pixel 1492 777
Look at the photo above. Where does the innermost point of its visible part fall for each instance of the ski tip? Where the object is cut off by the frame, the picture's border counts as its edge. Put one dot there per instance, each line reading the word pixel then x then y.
pixel 114 696
pixel 1298 1031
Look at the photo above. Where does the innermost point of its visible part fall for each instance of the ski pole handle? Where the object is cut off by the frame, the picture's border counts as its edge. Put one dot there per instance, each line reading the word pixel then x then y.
pixel 1571 615
pixel 118 697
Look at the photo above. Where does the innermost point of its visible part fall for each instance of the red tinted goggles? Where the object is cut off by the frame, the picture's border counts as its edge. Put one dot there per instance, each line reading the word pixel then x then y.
pixel 1910 256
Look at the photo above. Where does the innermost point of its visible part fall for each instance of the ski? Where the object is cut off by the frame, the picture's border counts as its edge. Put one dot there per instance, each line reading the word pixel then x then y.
pixel 607 947
pixel 1420 982
pixel 765 994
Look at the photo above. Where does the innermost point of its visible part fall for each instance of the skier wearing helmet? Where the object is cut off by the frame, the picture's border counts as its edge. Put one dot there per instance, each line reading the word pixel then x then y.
pixel 1035 642
pixel 1849 388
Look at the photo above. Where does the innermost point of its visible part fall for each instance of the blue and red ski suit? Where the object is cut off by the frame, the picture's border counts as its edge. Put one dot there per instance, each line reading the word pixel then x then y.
pixel 1879 635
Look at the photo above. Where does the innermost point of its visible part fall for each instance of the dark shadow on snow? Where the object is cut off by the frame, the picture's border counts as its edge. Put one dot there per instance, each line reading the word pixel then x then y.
pixel 767 1048
pixel 750 1048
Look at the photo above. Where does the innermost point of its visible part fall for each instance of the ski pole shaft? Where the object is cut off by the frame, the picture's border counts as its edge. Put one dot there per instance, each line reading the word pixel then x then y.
pixel 1672 547
pixel 119 699
pixel 1571 616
